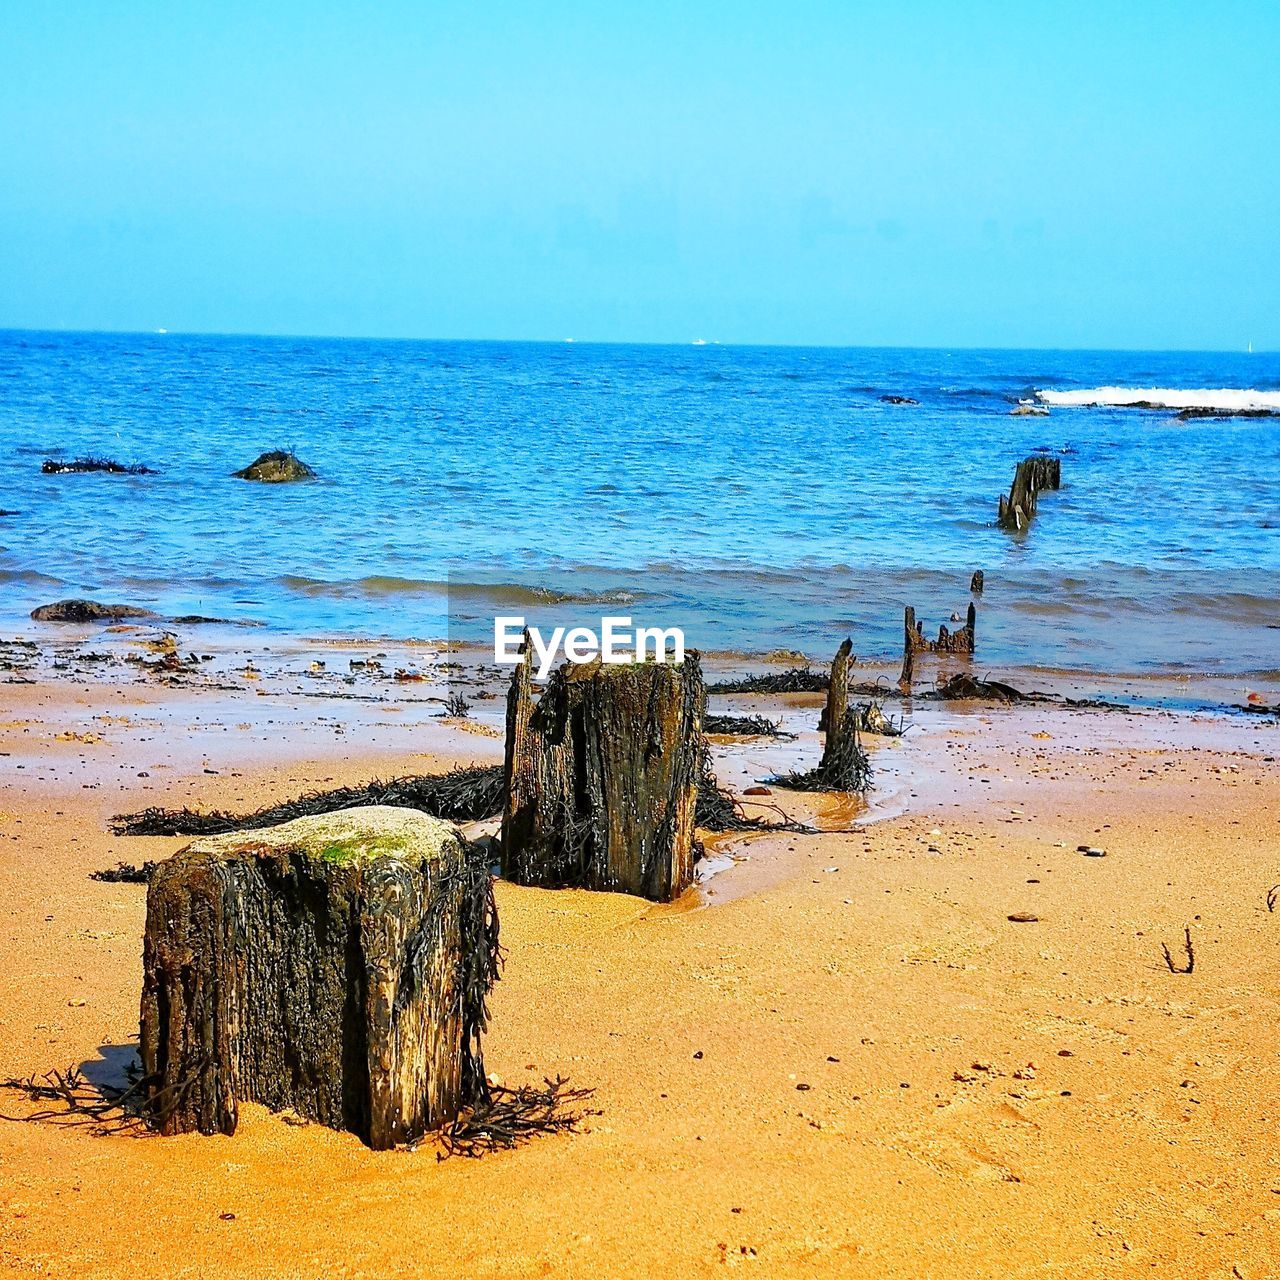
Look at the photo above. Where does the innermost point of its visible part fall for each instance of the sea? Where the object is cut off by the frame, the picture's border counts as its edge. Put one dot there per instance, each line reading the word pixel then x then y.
pixel 759 498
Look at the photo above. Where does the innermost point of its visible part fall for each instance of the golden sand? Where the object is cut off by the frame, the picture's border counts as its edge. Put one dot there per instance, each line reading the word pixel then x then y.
pixel 838 1058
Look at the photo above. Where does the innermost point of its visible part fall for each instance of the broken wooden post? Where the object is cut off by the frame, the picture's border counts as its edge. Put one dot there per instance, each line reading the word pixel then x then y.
pixel 844 765
pixel 977 582
pixel 1030 477
pixel 837 702
pixel 909 634
pixel 336 965
pixel 602 776
pixel 961 641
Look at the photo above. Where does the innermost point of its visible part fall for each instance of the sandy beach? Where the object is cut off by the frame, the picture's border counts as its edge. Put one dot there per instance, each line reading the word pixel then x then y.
pixel 839 1056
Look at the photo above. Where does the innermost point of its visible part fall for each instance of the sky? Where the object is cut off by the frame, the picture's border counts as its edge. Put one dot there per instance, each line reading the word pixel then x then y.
pixel 918 174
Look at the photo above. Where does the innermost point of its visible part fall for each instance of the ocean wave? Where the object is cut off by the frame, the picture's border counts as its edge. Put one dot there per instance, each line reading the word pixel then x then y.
pixel 1220 399
pixel 30 578
pixel 507 593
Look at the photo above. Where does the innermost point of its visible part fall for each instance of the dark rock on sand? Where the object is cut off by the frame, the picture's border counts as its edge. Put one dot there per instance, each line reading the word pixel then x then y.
pixel 87 611
pixel 277 467
pixel 52 467
pixel 898 400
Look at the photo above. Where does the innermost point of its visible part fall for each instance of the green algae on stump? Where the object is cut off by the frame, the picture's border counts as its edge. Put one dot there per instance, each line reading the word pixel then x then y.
pixel 279 466
pixel 337 965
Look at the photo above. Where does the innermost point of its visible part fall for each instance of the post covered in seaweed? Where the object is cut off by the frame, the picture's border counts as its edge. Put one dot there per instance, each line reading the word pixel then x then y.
pixel 337 965
pixel 602 776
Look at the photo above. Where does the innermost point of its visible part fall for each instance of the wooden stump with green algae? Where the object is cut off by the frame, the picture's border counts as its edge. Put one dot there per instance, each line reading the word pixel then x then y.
pixel 336 965
pixel 602 777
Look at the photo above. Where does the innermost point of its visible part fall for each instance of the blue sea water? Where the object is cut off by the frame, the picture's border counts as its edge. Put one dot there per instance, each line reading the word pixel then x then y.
pixel 761 497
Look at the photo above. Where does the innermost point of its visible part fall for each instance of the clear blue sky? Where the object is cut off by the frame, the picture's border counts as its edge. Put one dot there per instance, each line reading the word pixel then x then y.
pixel 946 174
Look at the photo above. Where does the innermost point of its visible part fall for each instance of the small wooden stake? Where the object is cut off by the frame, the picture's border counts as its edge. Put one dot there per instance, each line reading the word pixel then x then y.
pixel 909 640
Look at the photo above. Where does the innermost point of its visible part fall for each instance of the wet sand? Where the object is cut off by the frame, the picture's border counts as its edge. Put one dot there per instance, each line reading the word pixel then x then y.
pixel 837 1057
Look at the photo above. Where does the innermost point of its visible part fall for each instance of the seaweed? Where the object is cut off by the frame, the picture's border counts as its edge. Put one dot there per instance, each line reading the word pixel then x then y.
pixel 461 795
pixel 744 727
pixel 512 1117
pixel 964 687
pixel 795 680
pixel 456 706
pixel 52 467
pixel 718 811
pixel 125 873
pixel 100 1107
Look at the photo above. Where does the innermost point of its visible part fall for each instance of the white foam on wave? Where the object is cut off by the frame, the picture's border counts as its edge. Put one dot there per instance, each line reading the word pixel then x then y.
pixel 1225 399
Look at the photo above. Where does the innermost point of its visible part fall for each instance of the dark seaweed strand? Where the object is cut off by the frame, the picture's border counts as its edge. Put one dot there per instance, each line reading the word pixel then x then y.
pixel 718 811
pixel 461 795
pixel 796 680
pixel 513 1117
pixel 479 967
pixel 102 1108
pixel 125 873
pixel 744 727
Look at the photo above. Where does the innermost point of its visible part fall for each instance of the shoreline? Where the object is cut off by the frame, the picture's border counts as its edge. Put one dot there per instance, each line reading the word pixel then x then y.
pixel 223 658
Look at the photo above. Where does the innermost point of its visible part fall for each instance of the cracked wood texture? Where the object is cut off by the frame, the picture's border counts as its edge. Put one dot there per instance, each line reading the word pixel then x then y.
pixel 336 965
pixel 602 777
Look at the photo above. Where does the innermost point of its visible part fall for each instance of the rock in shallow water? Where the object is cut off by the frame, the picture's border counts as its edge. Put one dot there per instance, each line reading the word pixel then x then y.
pixel 87 611
pixel 276 467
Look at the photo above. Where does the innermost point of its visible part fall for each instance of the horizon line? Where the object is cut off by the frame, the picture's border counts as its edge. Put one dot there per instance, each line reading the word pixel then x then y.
pixel 615 342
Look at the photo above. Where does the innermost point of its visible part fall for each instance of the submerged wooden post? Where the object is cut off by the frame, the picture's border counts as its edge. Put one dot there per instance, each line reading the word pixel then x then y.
pixel 602 776
pixel 337 965
pixel 1030 477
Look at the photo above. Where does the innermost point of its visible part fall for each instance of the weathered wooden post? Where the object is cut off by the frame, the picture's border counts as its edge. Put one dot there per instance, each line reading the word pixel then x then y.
pixel 337 965
pixel 833 714
pixel 1030 476
pixel 602 776
pixel 844 765
pixel 908 649
pixel 960 641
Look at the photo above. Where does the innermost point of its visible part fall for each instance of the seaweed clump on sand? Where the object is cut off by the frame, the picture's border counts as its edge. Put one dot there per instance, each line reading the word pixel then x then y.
pixel 795 680
pixel 844 766
pixel 963 687
pixel 744 727
pixel 78 466
pixel 461 795
pixel 717 811
pixel 513 1117
pixel 278 466
pixel 125 873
